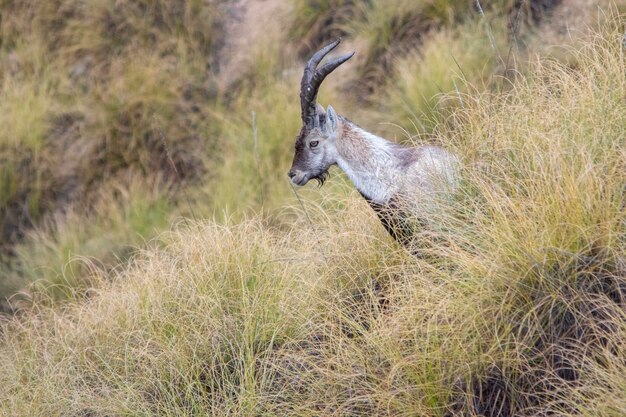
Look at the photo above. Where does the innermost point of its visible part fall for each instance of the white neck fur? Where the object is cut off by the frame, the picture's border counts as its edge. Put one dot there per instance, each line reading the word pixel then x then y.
pixel 371 162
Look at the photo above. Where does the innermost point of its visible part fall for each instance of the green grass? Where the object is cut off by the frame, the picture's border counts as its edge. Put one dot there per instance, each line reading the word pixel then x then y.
pixel 431 81
pixel 25 110
pixel 66 255
pixel 98 96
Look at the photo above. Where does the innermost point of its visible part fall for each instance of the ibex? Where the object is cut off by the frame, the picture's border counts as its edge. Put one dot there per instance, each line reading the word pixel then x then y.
pixel 395 180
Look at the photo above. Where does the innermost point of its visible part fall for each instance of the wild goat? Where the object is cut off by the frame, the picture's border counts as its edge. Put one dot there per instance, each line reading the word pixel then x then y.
pixel 395 180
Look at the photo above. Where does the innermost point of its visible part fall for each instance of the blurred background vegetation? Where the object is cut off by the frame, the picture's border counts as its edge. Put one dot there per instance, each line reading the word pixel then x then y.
pixel 119 117
pixel 121 120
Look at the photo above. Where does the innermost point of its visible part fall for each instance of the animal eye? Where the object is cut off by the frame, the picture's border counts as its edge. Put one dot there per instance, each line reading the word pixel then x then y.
pixel 314 143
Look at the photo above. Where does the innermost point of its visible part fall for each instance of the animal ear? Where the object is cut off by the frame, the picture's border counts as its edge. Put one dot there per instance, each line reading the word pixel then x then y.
pixel 320 109
pixel 331 119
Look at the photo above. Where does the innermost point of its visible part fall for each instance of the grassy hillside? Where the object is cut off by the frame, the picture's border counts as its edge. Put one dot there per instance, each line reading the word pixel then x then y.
pixel 163 265
pixel 106 99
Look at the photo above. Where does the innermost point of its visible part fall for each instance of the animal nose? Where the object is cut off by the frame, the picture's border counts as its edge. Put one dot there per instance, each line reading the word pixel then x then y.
pixel 291 173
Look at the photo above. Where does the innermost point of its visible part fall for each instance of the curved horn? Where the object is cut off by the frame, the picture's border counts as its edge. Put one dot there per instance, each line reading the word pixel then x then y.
pixel 312 79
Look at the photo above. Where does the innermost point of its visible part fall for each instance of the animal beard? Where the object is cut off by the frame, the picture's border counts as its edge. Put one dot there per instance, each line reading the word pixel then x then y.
pixel 321 178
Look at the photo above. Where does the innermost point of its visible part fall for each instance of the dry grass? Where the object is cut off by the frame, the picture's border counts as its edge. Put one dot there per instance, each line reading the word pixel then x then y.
pixel 102 95
pixel 99 96
pixel 60 258
pixel 429 82
pixel 515 307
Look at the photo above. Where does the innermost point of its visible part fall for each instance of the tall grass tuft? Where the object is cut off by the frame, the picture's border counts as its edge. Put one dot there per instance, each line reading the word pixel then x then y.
pixel 67 254
pixel 430 82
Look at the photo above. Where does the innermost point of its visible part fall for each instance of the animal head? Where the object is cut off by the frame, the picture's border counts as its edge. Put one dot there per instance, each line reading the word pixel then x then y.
pixel 315 149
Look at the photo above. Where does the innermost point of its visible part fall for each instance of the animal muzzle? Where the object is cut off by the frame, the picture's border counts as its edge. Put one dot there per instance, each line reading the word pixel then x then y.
pixel 298 177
